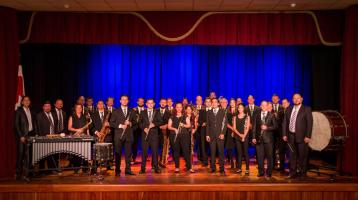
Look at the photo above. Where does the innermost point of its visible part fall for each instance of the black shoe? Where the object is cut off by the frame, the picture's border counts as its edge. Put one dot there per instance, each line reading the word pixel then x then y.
pixel 213 171
pixel 157 171
pixel 142 171
pixel 247 172
pixel 292 176
pixel 118 173
pixel 130 173
pixel 205 164
pixel 268 176
pixel 260 175
pixel 239 171
pixel 222 172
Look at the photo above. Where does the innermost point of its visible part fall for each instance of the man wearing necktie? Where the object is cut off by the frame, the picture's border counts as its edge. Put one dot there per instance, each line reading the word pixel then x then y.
pixel 122 121
pixel 150 120
pixel 296 130
pixel 46 125
pixel 262 129
pixel 137 131
pixel 215 134
pixel 59 117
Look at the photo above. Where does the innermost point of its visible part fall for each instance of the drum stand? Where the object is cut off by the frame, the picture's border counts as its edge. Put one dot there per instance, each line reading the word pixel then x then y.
pixel 100 175
pixel 338 170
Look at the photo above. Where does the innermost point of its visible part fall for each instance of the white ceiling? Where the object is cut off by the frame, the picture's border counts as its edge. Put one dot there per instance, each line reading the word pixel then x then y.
pixel 174 5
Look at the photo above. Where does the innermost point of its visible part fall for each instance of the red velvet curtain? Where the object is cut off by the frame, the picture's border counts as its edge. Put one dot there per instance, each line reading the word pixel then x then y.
pixel 218 29
pixel 9 60
pixel 349 88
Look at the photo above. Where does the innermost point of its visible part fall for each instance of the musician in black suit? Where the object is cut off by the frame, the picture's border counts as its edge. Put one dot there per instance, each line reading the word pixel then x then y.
pixel 215 134
pixel 262 129
pixel 122 120
pixel 279 144
pixel 60 117
pixel 98 117
pixel 137 131
pixel 296 130
pixel 202 129
pixel 89 105
pixel 251 109
pixel 163 131
pixel 110 108
pixel 98 120
pixel 46 125
pixel 24 126
pixel 150 120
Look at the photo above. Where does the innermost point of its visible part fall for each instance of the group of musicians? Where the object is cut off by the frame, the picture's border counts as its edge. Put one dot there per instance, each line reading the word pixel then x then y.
pixel 207 128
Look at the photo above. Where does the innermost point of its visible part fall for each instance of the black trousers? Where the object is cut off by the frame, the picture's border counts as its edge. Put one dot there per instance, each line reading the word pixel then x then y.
pixel 265 150
pixel 298 158
pixel 152 142
pixel 21 158
pixel 136 137
pixel 203 146
pixel 118 146
pixel 182 144
pixel 217 144
pixel 242 148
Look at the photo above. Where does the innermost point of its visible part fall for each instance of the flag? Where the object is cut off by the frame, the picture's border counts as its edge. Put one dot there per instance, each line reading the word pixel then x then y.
pixel 20 87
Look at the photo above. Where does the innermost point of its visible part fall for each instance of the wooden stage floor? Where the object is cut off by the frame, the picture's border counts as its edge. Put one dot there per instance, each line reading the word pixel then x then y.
pixel 182 186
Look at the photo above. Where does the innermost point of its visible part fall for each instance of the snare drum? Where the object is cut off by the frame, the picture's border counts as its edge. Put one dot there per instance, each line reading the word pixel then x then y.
pixel 104 151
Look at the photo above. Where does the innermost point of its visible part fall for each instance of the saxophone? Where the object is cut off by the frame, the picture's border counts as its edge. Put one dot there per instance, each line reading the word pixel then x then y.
pixel 105 130
pixel 83 129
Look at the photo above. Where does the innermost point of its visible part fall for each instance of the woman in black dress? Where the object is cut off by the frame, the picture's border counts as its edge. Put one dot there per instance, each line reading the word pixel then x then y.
pixel 179 125
pixel 230 141
pixel 241 124
pixel 76 122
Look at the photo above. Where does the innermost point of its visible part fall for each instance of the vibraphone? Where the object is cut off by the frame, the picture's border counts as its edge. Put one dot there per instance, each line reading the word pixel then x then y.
pixel 43 146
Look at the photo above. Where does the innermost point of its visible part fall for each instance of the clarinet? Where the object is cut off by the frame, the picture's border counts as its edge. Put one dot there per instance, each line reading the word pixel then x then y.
pixel 150 121
pixel 124 130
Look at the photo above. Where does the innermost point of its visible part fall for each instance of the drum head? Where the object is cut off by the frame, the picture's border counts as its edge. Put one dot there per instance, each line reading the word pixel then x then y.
pixel 321 132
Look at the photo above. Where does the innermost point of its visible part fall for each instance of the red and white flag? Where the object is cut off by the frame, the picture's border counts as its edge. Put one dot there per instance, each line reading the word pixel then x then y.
pixel 20 87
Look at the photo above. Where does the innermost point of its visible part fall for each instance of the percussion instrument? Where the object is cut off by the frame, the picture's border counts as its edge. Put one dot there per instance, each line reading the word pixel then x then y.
pixel 43 146
pixel 103 151
pixel 329 130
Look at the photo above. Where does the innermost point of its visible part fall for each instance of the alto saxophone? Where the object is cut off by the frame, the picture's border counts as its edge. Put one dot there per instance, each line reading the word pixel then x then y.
pixel 105 130
pixel 83 129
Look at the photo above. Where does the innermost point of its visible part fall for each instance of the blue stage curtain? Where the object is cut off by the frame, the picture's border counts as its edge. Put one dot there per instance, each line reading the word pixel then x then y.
pixel 187 71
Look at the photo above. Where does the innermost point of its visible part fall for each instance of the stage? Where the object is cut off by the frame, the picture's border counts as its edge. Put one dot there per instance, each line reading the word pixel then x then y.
pixel 182 186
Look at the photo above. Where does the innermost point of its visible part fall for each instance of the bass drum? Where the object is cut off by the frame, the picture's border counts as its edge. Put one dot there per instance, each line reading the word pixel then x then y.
pixel 329 130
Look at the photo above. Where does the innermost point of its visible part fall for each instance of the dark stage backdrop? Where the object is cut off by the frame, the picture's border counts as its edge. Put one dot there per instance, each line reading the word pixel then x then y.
pixel 67 71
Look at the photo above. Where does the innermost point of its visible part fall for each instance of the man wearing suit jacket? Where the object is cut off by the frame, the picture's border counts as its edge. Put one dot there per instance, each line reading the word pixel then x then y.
pixel 215 134
pixel 297 130
pixel 150 120
pixel 24 126
pixel 46 124
pixel 45 121
pixel 137 131
pixel 163 131
pixel 59 117
pixel 252 110
pixel 122 121
pixel 202 131
pixel 98 117
pixel 279 144
pixel 262 133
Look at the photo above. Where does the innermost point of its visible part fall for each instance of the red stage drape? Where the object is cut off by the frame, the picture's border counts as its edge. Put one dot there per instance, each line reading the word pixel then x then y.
pixel 349 88
pixel 9 60
pixel 217 29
